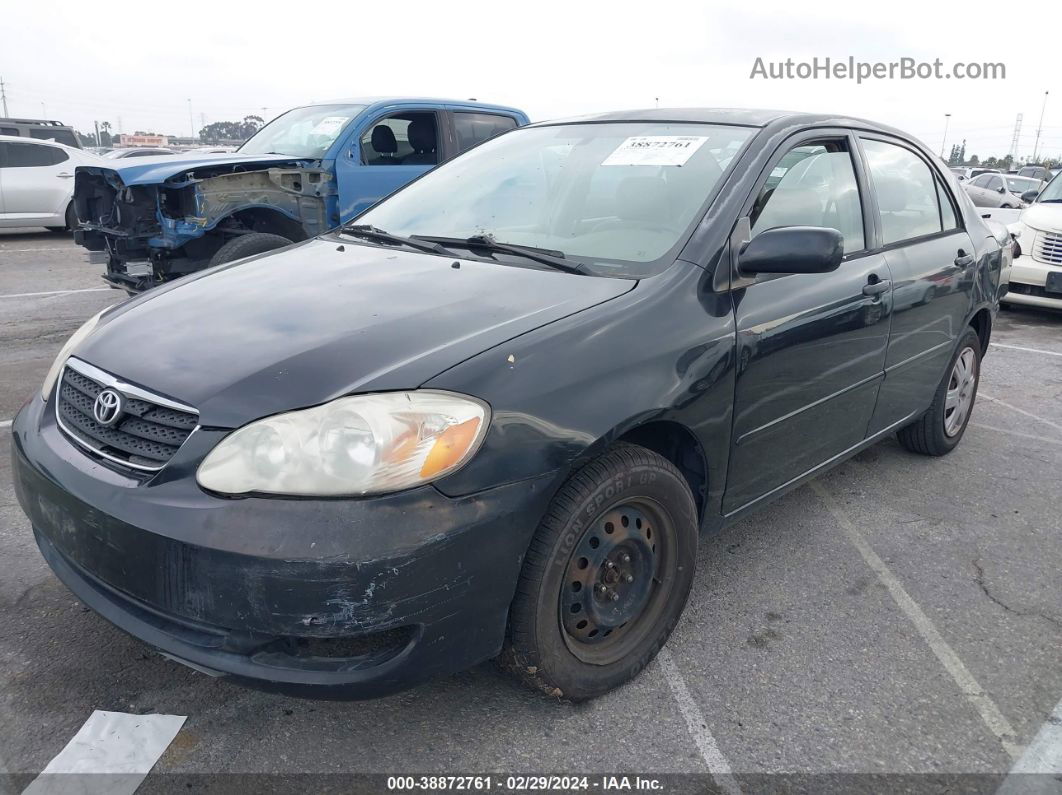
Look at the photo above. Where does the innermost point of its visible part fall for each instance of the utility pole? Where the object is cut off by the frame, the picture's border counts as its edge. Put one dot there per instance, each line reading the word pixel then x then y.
pixel 44 111
pixel 947 119
pixel 3 95
pixel 1014 141
pixel 1039 127
pixel 191 120
pixel 96 124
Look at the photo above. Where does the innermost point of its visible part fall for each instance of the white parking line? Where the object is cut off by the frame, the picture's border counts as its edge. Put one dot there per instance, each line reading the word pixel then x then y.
pixel 698 726
pixel 122 747
pixel 1042 758
pixel 982 702
pixel 34 250
pixel 59 292
pixel 1023 412
pixel 1020 348
pixel 1029 436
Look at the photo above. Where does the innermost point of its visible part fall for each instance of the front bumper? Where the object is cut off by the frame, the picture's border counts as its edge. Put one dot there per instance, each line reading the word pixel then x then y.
pixel 1027 279
pixel 321 598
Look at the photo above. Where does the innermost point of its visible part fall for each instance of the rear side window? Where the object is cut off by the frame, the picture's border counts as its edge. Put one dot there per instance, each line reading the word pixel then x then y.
pixel 947 212
pixel 813 185
pixel 52 134
pixel 474 128
pixel 8 131
pixel 906 191
pixel 32 155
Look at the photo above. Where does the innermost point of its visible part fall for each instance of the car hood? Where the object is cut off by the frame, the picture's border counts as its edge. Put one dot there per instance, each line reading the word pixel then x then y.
pixel 323 319
pixel 153 170
pixel 1045 217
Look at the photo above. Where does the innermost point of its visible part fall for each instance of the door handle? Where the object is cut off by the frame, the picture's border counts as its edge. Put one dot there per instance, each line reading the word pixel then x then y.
pixel 877 288
pixel 964 260
pixel 64 175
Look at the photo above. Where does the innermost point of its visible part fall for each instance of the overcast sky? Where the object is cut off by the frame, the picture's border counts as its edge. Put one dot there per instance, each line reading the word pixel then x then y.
pixel 141 62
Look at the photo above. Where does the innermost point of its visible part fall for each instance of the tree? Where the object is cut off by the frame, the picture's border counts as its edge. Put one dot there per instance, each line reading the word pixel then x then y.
pixel 219 131
pixel 105 133
pixel 954 159
pixel 973 160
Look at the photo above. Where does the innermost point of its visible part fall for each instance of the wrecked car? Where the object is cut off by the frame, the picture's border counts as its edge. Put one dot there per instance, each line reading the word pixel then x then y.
pixel 155 219
pixel 491 416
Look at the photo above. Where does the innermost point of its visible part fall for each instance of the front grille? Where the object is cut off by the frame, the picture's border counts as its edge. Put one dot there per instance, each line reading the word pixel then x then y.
pixel 146 436
pixel 1048 248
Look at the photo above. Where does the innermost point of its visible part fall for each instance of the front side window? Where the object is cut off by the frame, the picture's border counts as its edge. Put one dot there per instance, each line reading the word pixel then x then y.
pixel 475 128
pixel 1053 191
pixel 403 139
pixel 813 185
pixel 304 132
pixel 31 155
pixel 995 183
pixel 618 198
pixel 906 192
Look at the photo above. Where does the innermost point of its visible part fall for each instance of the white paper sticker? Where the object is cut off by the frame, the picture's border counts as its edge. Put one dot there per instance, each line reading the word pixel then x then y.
pixel 655 150
pixel 329 125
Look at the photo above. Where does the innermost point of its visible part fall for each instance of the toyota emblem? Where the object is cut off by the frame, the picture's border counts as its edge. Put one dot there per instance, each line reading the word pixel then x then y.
pixel 108 407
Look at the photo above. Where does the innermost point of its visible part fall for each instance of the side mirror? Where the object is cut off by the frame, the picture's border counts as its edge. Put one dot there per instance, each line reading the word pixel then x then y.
pixel 1030 196
pixel 1001 189
pixel 792 249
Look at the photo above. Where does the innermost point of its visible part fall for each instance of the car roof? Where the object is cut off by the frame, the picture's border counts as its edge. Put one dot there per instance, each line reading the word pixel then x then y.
pixel 745 117
pixel 398 100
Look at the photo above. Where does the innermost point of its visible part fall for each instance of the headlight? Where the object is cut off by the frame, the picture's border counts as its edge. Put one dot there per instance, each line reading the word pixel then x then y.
pixel 64 353
pixel 365 444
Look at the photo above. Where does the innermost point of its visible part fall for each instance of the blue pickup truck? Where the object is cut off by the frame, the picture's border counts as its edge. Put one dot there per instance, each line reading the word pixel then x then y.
pixel 154 219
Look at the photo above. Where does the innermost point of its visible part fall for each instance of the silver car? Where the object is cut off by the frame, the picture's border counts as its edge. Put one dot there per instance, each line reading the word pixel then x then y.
pixel 1000 190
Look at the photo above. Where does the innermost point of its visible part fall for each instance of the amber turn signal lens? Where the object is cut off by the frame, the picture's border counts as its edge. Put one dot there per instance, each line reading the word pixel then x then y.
pixel 450 447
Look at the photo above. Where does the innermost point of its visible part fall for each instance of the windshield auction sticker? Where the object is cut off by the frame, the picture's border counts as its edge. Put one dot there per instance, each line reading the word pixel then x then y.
pixel 655 150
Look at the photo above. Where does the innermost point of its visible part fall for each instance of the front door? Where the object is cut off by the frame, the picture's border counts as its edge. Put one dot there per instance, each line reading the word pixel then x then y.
pixel 810 347
pixel 390 151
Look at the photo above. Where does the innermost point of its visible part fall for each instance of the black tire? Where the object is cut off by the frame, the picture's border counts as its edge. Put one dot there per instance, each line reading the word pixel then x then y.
pixel 606 512
pixel 930 433
pixel 71 221
pixel 248 245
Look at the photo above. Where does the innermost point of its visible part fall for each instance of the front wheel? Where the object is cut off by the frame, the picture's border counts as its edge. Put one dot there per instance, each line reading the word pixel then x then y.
pixel 606 576
pixel 939 430
pixel 248 245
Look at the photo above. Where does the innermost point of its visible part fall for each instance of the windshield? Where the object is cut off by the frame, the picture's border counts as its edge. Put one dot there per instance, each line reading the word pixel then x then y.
pixel 616 197
pixel 1053 191
pixel 303 132
pixel 1022 184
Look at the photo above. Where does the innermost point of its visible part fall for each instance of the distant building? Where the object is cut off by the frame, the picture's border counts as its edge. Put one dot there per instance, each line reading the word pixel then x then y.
pixel 141 139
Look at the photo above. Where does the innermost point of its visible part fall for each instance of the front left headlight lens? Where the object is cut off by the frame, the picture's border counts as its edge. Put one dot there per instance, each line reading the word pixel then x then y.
pixel 64 353
pixel 352 446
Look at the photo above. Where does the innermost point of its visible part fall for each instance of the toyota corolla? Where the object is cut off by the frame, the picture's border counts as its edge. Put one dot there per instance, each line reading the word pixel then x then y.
pixel 492 416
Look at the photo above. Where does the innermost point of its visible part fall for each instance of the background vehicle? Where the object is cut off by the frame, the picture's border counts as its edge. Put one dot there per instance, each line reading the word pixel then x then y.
pixel 305 172
pixel 1036 275
pixel 1035 172
pixel 467 416
pixel 137 151
pixel 37 182
pixel 1000 190
pixel 41 129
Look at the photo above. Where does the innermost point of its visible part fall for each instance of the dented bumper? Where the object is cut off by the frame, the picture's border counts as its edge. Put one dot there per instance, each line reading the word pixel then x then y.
pixel 320 598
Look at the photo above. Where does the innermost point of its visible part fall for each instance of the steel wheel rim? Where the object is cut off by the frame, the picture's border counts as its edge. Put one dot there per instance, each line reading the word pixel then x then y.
pixel 605 610
pixel 962 384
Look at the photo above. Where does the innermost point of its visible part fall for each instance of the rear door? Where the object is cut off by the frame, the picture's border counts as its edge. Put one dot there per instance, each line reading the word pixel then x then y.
pixel 38 183
pixel 932 262
pixel 810 347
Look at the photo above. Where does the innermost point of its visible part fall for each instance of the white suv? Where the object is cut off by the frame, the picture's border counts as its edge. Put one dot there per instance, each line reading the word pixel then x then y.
pixel 37 182
pixel 1036 275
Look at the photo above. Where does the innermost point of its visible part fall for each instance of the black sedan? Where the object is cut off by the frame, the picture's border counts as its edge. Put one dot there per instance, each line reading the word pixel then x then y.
pixel 491 416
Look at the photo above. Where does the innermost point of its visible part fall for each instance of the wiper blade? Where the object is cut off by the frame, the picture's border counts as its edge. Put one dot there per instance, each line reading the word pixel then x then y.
pixel 375 233
pixel 555 259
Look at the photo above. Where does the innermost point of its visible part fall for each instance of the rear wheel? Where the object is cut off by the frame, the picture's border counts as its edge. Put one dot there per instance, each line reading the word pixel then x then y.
pixel 939 430
pixel 606 576
pixel 248 245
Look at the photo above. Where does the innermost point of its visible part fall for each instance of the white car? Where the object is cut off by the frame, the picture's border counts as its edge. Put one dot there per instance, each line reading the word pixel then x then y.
pixel 1036 274
pixel 37 182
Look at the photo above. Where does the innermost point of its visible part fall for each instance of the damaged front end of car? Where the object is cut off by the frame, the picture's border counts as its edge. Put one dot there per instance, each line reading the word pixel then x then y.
pixel 150 225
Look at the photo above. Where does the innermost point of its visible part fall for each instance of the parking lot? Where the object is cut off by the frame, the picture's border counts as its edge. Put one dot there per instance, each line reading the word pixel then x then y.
pixel 900 615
